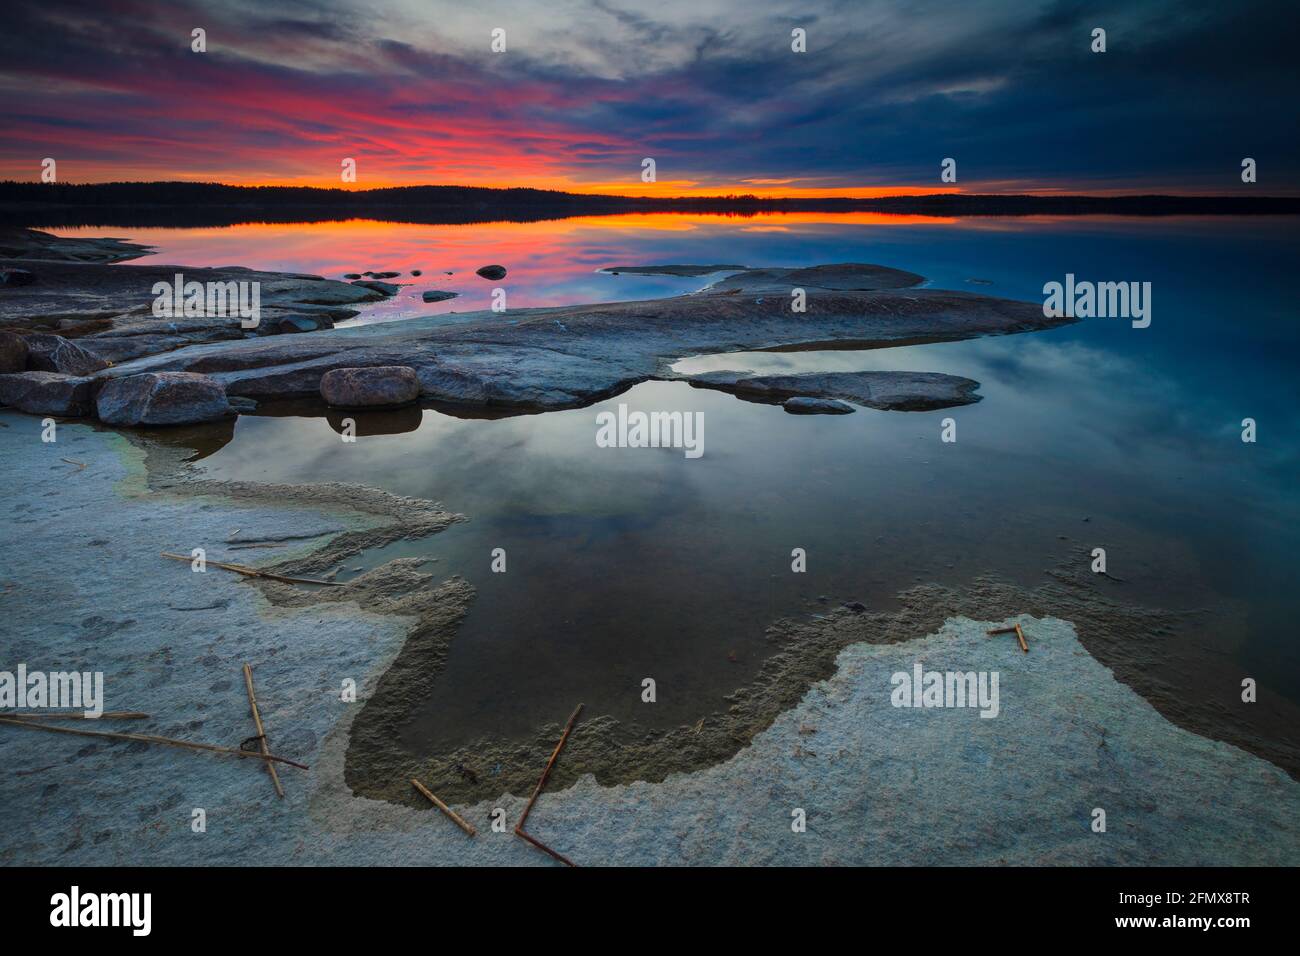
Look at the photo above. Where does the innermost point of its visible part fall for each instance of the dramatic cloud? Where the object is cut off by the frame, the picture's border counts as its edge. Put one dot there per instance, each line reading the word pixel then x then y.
pixel 712 91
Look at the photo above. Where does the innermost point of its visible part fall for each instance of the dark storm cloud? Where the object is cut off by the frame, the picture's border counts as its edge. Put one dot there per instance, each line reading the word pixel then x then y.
pixel 711 90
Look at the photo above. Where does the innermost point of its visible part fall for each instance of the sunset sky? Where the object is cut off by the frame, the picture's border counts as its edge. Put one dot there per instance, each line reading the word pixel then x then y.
pixel 712 91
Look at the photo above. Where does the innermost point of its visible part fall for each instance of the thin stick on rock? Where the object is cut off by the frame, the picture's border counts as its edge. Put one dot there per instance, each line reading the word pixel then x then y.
pixel 519 827
pixel 151 739
pixel 261 731
pixel 253 572
pixel 544 848
pixel 1020 636
pixel 77 715
pixel 456 818
pixel 549 764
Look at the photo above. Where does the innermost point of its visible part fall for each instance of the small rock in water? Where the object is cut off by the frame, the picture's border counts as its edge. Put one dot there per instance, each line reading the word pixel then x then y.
pixel 384 275
pixel 816 406
pixel 377 386
pixel 300 323
pixel 352 275
pixel 857 607
pixel 437 295
pixel 416 272
pixel 492 272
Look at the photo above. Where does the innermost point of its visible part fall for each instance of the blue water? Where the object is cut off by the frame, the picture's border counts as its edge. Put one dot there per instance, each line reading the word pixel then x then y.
pixel 626 563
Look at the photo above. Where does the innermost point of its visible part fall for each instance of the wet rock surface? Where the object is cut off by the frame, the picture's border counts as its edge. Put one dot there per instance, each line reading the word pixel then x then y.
pixel 881 784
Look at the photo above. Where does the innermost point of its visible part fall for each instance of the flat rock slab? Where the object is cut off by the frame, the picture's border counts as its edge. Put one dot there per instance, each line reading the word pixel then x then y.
pixel 19 243
pixel 842 277
pixel 108 309
pixel 550 358
pixel 671 270
pixel 891 391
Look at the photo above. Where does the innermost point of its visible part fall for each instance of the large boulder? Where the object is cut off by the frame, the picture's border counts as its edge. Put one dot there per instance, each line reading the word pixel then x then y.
pixel 47 393
pixel 492 272
pixel 13 353
pixel 378 386
pixel 162 398
pixel 54 353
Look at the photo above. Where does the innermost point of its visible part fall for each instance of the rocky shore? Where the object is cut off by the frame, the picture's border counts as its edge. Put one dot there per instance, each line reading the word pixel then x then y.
pixel 78 325
pixel 878 784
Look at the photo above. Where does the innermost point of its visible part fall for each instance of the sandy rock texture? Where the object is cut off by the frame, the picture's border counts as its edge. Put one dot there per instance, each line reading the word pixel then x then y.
pixel 877 783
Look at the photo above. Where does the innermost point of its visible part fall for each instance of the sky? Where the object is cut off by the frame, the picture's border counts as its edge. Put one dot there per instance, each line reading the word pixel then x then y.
pixel 711 91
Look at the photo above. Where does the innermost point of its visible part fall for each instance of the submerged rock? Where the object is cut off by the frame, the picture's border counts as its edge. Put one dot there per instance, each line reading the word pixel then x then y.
pixel 54 353
pixel 491 272
pixel 816 406
pixel 162 398
pixel 384 288
pixel 816 392
pixel 47 393
pixel 382 386
pixel 671 270
pixel 290 324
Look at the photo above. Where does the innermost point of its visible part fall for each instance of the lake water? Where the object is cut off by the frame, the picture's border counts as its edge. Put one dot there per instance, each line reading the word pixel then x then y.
pixel 633 563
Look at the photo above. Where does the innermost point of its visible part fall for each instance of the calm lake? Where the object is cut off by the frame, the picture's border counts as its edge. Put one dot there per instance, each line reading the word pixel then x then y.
pixel 633 563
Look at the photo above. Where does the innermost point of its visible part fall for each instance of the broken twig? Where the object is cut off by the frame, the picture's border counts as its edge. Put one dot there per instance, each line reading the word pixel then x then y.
pixel 79 715
pixel 1013 629
pixel 1020 636
pixel 456 818
pixel 523 818
pixel 253 572
pixel 261 731
pixel 151 739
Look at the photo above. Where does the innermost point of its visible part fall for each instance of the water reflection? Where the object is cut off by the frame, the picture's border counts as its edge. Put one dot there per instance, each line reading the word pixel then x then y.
pixel 627 563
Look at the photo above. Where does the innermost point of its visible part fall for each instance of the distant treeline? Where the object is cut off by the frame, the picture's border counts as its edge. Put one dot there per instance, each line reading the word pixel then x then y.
pixel 212 204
